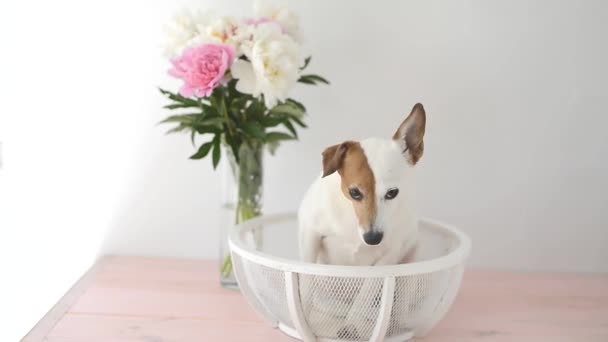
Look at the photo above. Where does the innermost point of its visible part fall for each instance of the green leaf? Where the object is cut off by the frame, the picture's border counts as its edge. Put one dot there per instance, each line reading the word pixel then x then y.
pixel 218 103
pixel 187 119
pixel 298 104
pixel 272 147
pixel 287 108
pixel 216 151
pixel 217 122
pixel 209 110
pixel 203 150
pixel 298 121
pixel 270 121
pixel 235 117
pixel 306 61
pixel 318 78
pixel 232 142
pixel 179 98
pixel 312 79
pixel 179 105
pixel 222 107
pixel 278 136
pixel 235 152
pixel 306 80
pixel 256 109
pixel 232 92
pixel 177 129
pixel 208 129
pixel 238 103
pixel 289 111
pixel 254 129
pixel 290 127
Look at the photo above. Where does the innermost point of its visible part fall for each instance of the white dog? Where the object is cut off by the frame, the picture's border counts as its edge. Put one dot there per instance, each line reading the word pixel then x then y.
pixel 364 214
pixel 361 211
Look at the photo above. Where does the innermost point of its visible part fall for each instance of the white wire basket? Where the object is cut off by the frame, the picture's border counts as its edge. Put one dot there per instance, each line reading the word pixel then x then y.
pixel 327 303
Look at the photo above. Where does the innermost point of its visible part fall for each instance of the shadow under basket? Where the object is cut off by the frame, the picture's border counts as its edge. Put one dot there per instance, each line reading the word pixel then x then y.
pixel 313 302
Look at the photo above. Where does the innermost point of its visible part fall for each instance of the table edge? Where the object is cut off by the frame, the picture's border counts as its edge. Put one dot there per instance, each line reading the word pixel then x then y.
pixel 63 305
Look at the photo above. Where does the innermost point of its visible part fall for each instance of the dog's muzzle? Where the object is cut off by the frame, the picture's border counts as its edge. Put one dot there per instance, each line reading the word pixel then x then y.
pixel 373 238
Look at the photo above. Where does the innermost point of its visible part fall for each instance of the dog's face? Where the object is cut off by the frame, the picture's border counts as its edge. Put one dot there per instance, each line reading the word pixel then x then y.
pixel 376 175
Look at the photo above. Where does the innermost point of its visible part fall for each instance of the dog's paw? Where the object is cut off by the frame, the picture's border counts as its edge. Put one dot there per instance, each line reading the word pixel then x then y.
pixel 348 332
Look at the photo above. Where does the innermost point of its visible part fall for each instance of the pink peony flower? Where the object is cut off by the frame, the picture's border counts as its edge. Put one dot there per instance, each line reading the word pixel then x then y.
pixel 202 68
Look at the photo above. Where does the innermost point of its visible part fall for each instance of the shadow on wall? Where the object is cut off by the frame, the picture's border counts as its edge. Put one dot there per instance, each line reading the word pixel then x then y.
pixel 164 208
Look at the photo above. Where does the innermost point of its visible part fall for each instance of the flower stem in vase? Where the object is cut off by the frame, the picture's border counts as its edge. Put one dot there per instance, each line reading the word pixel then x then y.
pixel 250 183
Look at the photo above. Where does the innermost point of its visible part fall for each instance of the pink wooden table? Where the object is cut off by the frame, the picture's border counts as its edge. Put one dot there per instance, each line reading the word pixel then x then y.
pixel 128 299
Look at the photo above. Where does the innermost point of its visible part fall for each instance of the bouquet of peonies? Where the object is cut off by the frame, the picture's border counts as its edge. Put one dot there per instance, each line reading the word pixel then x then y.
pixel 236 76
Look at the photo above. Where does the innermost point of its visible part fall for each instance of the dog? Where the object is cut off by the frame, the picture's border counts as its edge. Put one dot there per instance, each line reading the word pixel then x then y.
pixel 361 210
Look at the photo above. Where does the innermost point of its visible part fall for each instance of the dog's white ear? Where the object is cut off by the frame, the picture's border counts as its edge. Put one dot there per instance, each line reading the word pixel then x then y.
pixel 411 133
pixel 333 157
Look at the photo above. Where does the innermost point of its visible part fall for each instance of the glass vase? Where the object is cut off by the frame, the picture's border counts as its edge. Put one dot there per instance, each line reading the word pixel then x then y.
pixel 242 186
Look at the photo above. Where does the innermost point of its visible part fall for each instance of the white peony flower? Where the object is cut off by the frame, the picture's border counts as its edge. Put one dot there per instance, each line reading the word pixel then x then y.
pixel 289 20
pixel 224 30
pixel 185 31
pixel 273 66
pixel 195 28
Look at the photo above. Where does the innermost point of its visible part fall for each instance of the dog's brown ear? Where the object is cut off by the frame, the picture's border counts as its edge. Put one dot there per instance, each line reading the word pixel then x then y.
pixel 411 133
pixel 333 157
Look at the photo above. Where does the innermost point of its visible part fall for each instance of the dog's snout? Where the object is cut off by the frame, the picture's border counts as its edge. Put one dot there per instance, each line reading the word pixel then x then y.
pixel 373 238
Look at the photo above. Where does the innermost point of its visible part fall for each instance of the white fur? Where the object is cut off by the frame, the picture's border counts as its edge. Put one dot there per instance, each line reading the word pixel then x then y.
pixel 329 229
pixel 330 232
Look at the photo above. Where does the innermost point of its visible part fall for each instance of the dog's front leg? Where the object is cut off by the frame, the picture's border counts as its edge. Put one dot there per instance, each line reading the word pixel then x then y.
pixel 310 245
pixel 366 301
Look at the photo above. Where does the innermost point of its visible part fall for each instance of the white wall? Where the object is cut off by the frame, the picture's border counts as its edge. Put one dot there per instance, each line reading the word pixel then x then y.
pixel 515 95
pixel 516 142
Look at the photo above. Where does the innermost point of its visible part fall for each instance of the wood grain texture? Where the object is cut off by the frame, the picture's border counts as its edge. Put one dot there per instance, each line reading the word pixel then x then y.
pixel 141 299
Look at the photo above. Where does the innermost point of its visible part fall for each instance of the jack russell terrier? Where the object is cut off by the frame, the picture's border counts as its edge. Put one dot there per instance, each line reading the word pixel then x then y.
pixel 361 211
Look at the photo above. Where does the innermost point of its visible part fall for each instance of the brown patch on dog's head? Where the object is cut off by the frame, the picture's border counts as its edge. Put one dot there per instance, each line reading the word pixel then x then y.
pixel 349 160
pixel 411 133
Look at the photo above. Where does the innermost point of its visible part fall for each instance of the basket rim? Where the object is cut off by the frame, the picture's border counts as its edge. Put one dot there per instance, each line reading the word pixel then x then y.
pixel 454 258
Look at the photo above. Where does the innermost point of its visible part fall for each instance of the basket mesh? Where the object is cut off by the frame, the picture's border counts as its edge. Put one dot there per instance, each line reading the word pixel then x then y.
pixel 246 287
pixel 420 300
pixel 347 308
pixel 327 303
pixel 268 287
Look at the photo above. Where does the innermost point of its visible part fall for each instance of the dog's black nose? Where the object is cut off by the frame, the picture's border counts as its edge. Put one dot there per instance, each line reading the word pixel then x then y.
pixel 373 238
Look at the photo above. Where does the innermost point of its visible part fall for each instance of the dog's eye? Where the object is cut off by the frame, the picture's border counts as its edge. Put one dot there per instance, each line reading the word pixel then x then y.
pixel 392 193
pixel 355 194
